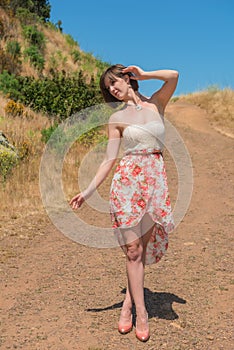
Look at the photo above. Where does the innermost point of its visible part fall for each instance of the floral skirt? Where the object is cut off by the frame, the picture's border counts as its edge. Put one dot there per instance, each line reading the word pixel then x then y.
pixel 139 186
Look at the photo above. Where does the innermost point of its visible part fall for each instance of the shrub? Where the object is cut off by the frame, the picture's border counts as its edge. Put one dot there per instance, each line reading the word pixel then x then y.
pixel 40 7
pixel 13 48
pixel 46 133
pixel 24 150
pixel 75 55
pixel 25 16
pixel 34 36
pixel 59 25
pixel 35 57
pixel 8 159
pixel 92 137
pixel 59 96
pixel 9 85
pixel 14 108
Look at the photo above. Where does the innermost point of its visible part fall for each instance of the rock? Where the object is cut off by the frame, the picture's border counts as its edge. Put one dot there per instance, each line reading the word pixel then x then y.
pixel 8 156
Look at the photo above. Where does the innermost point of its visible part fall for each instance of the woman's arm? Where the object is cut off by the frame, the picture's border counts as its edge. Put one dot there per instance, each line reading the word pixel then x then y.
pixel 163 95
pixel 103 170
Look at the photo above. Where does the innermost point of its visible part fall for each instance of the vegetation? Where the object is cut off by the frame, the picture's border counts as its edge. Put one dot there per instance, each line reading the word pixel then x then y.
pixel 39 7
pixel 59 96
pixel 45 78
pixel 34 36
pixel 218 103
pixel 43 71
pixel 8 161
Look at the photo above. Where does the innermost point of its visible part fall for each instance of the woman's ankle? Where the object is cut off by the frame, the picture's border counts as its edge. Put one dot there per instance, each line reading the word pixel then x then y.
pixel 141 313
pixel 127 303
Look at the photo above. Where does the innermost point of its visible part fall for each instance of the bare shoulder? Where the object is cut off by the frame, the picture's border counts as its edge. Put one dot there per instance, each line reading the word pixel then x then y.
pixel 152 103
pixel 156 102
pixel 116 118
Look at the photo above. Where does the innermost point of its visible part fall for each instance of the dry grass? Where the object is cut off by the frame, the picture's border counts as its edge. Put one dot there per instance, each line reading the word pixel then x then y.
pixel 21 190
pixel 219 104
pixel 13 31
pixel 57 52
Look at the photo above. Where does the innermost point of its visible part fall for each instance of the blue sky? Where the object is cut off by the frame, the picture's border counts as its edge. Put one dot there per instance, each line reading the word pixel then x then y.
pixel 194 37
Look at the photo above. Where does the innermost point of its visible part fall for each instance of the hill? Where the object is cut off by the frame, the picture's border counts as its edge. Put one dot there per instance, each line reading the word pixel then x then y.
pixel 52 288
pixel 33 46
pixel 42 68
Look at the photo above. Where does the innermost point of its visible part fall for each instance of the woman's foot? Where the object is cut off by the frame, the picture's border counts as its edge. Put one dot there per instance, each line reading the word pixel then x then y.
pixel 125 320
pixel 142 327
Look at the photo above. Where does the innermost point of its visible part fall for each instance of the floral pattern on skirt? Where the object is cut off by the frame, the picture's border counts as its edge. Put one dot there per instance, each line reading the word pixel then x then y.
pixel 139 186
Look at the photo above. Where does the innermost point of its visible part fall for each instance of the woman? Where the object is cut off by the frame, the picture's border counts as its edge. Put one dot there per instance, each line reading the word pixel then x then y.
pixel 139 199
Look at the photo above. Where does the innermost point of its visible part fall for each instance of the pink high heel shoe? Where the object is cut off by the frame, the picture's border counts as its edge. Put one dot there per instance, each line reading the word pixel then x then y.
pixel 125 328
pixel 143 335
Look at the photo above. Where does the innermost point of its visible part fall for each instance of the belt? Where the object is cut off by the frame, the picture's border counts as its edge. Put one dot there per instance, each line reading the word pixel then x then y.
pixel 144 152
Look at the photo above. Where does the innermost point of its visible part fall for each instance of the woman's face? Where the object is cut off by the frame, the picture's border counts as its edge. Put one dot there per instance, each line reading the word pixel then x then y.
pixel 118 87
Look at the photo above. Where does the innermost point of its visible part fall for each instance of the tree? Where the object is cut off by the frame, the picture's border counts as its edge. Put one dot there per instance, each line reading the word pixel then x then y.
pixel 40 7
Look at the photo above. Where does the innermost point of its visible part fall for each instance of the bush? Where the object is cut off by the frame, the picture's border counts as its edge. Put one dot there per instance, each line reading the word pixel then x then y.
pixel 59 96
pixel 35 57
pixel 25 16
pixel 8 159
pixel 76 55
pixel 92 137
pixel 9 85
pixel 40 7
pixel 46 133
pixel 34 36
pixel 13 48
pixel 14 108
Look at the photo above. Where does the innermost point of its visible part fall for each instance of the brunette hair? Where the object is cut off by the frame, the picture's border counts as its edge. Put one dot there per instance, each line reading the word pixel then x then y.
pixel 112 72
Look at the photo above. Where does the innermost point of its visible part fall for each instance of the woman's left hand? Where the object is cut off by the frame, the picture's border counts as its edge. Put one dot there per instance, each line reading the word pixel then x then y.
pixel 139 74
pixel 77 201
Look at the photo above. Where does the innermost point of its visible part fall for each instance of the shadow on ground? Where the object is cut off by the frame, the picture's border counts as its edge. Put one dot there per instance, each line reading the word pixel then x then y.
pixel 158 304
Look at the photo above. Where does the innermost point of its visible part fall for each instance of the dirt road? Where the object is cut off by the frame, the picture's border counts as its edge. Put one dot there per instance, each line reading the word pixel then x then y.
pixel 57 294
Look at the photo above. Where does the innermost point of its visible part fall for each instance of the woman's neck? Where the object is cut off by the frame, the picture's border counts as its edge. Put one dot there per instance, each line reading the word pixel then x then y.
pixel 133 97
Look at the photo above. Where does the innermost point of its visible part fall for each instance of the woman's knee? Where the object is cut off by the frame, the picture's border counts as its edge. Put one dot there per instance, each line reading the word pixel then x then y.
pixel 135 251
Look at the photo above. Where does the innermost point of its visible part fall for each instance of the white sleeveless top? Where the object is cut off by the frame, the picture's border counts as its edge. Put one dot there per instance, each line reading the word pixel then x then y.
pixel 148 136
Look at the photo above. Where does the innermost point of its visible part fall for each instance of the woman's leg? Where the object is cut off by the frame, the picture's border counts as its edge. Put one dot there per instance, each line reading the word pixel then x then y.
pixel 136 240
pixel 126 312
pixel 134 248
pixel 147 227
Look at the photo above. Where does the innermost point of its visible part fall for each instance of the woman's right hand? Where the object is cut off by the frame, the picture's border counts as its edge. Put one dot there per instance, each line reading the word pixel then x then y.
pixel 77 201
pixel 139 74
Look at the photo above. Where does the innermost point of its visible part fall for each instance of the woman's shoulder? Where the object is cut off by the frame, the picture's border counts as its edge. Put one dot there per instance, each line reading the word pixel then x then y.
pixel 116 117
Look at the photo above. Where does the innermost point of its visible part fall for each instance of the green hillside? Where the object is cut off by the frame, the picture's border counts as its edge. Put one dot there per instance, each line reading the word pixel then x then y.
pixel 42 67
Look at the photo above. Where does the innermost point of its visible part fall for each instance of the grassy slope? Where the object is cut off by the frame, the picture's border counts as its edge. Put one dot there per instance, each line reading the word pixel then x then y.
pixel 219 105
pixel 26 132
pixel 58 51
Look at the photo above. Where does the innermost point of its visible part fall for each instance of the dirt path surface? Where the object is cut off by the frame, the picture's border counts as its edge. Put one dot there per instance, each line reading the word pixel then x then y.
pixel 57 294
